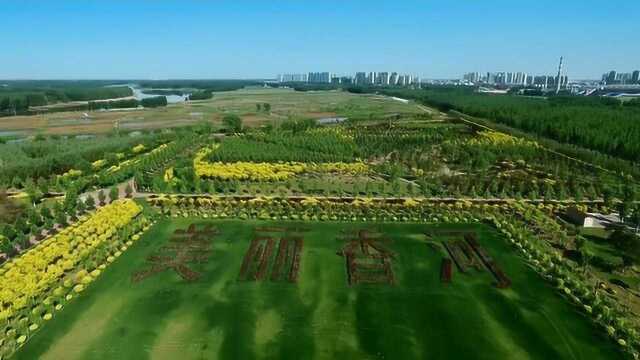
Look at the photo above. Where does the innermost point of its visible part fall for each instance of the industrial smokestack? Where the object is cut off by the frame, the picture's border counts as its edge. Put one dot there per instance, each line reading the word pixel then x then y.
pixel 559 78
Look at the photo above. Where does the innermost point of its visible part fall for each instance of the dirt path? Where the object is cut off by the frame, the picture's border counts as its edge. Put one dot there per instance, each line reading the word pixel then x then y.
pixel 142 195
pixel 121 191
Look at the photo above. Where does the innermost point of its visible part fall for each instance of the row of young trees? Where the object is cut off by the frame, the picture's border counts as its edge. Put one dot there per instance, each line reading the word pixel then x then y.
pixel 449 161
pixel 613 130
pixel 39 217
pixel 35 166
pixel 40 283
pixel 46 219
pixel 40 161
pixel 452 160
pixel 443 160
pixel 201 95
pixel 254 150
pixel 150 102
pixel 524 228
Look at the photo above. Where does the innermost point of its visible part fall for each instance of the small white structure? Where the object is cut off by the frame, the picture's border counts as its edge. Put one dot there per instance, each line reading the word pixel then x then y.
pixel 592 220
pixel 595 220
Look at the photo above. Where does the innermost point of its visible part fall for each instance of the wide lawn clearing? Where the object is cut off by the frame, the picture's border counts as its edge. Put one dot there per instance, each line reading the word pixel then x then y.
pixel 284 290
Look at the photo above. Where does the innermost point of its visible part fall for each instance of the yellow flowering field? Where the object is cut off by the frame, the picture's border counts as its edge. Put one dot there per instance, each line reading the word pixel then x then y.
pixel 267 171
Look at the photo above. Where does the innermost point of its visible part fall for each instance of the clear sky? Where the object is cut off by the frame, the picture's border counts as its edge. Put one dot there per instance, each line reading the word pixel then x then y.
pixel 259 39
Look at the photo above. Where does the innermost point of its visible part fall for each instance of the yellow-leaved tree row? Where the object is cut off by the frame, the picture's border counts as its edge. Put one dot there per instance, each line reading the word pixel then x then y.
pixel 266 171
pixel 136 150
pixel 43 272
pixel 487 137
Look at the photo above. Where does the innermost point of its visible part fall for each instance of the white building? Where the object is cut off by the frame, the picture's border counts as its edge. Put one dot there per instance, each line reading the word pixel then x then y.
pixel 292 78
pixel 382 78
pixel 319 77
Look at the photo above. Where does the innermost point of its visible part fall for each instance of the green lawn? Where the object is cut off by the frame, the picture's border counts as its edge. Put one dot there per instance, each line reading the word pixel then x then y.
pixel 320 316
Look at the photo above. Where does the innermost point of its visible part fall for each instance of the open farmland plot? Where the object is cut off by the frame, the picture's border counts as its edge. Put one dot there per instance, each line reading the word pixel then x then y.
pixel 319 316
pixel 284 103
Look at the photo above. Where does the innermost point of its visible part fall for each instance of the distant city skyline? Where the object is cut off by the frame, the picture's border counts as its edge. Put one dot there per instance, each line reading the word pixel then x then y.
pixel 359 78
pixel 258 39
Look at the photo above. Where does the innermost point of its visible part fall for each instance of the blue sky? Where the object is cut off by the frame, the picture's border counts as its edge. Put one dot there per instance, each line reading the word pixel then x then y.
pixel 258 39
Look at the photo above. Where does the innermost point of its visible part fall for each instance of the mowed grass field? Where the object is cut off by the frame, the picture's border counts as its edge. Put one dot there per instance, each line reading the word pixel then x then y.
pixel 320 316
pixel 285 103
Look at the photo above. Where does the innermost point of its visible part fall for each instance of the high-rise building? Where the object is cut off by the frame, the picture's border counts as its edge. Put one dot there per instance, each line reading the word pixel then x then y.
pixel 393 79
pixel 382 78
pixel 520 78
pixel 541 81
pixel 319 77
pixel 473 77
pixel 346 80
pixel 405 80
pixel 361 78
pixel 509 78
pixel 561 83
pixel 371 78
pixel 624 78
pixel 292 78
pixel 614 77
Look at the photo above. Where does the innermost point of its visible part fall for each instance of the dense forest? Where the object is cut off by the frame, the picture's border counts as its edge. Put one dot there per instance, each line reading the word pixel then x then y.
pixel 602 124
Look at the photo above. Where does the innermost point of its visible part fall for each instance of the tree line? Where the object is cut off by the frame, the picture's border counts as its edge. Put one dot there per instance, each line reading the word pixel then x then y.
pixel 19 100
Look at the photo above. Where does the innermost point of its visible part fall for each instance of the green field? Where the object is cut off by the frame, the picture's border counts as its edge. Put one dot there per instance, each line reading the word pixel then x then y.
pixel 320 316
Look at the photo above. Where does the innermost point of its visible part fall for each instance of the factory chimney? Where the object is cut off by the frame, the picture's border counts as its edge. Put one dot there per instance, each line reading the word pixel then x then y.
pixel 559 78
